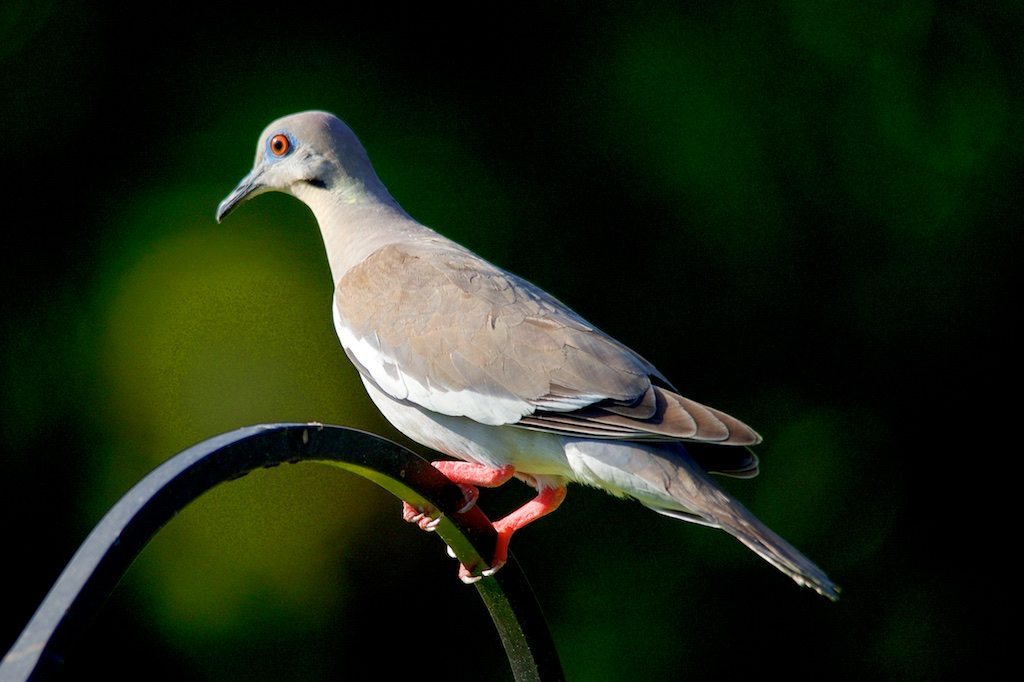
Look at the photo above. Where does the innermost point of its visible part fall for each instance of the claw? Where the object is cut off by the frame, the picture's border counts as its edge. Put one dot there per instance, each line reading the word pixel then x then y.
pixel 471 493
pixel 410 513
pixel 466 574
pixel 467 577
pixel 424 517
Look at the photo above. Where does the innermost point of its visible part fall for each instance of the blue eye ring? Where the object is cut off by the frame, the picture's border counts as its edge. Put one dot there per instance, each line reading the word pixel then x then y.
pixel 279 145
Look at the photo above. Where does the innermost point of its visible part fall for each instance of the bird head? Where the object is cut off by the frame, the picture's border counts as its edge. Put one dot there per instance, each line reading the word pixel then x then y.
pixel 305 153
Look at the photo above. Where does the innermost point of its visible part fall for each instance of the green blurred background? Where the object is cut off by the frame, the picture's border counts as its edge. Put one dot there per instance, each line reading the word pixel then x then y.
pixel 806 214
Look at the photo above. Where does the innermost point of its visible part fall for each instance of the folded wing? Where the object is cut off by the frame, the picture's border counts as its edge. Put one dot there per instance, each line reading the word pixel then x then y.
pixel 435 325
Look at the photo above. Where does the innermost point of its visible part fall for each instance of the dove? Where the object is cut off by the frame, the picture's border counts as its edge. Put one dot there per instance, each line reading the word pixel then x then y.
pixel 480 365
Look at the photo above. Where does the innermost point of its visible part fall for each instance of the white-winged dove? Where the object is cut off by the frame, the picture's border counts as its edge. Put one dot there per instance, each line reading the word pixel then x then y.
pixel 479 364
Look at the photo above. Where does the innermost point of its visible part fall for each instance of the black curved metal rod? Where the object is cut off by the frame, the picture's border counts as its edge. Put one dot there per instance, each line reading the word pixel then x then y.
pixel 103 558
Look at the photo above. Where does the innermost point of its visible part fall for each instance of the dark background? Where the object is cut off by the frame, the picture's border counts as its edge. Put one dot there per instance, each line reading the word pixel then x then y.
pixel 806 215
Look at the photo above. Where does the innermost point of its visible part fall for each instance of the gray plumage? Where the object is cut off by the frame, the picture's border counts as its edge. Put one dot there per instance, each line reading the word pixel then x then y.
pixel 477 363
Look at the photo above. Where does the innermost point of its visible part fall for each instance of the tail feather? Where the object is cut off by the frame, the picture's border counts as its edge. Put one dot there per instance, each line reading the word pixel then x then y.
pixel 779 553
pixel 667 479
pixel 738 521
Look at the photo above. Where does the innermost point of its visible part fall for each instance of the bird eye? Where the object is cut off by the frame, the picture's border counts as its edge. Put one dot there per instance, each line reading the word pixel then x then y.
pixel 279 145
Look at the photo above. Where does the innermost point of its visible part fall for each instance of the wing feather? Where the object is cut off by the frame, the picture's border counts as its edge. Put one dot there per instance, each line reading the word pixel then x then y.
pixel 433 324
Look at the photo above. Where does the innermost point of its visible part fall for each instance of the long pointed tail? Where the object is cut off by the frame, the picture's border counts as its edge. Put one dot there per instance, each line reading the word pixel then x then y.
pixel 667 479
pixel 721 511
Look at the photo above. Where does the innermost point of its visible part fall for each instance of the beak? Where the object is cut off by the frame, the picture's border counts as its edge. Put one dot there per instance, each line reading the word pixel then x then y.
pixel 250 185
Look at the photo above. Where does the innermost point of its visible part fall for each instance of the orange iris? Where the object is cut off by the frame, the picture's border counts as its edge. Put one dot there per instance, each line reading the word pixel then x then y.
pixel 279 145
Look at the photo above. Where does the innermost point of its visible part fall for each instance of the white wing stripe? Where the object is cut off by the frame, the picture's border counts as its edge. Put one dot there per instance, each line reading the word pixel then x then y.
pixel 387 374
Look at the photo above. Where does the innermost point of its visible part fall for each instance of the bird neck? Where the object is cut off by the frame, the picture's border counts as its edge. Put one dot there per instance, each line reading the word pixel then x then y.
pixel 355 225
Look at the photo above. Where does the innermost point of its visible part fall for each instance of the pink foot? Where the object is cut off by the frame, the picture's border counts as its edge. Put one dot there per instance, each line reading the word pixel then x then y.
pixel 426 517
pixel 465 475
pixel 547 501
pixel 468 476
pixel 475 474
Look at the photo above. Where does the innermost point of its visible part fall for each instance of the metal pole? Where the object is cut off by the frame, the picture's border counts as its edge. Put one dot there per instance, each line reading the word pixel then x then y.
pixel 103 558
